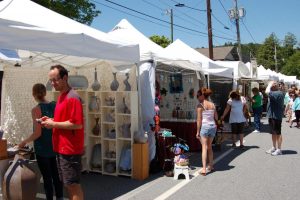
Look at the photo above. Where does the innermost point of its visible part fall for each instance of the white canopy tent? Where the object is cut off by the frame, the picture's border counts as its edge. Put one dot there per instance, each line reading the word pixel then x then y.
pixel 180 50
pixel 240 70
pixel 151 55
pixel 263 74
pixel 29 26
pixel 43 38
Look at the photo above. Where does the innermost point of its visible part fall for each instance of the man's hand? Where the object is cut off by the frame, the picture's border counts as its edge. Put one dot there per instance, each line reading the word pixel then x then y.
pixel 48 123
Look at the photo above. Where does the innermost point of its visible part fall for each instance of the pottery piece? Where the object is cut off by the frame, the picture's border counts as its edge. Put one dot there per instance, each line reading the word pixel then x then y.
pixel 20 180
pixel 109 101
pixel 96 85
pixel 126 83
pixel 125 130
pixel 124 108
pixel 78 82
pixel 112 134
pixel 96 129
pixel 94 105
pixel 114 84
pixel 140 137
pixel 49 86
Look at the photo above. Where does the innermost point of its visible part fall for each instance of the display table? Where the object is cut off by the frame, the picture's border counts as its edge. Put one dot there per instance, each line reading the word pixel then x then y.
pixel 184 129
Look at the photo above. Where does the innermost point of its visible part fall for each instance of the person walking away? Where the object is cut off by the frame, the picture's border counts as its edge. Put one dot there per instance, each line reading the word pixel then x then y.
pixel 275 113
pixel 206 128
pixel 237 108
pixel 257 109
pixel 296 109
pixel 289 109
pixel 68 135
pixel 42 141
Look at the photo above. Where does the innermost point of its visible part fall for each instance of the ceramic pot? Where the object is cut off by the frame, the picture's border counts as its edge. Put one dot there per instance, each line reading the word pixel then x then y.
pixel 94 105
pixel 126 83
pixel 49 86
pixel 96 85
pixel 140 137
pixel 109 101
pixel 114 84
pixel 78 82
pixel 20 180
pixel 96 129
pixel 124 108
pixel 125 130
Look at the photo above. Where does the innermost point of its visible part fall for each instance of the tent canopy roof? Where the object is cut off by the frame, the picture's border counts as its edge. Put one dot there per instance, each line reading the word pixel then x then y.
pixel 29 26
pixel 180 50
pixel 149 50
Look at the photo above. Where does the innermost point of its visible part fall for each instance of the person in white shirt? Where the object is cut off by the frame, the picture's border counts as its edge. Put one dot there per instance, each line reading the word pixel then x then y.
pixel 237 108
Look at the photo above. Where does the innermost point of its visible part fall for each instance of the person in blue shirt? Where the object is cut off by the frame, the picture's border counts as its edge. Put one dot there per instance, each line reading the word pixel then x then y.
pixel 296 109
pixel 275 110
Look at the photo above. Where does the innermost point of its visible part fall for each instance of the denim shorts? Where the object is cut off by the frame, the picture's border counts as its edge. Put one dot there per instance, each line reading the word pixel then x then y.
pixel 208 130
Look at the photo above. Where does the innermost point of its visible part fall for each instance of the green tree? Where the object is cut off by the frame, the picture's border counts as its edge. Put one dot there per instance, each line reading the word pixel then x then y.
pixel 292 66
pixel 266 53
pixel 288 45
pixel 161 40
pixel 82 11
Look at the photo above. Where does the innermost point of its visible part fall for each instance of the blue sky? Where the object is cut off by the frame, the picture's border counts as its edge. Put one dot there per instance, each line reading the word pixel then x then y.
pixel 262 18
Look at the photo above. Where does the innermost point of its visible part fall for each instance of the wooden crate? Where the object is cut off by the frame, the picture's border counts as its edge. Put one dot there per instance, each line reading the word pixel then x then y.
pixel 140 161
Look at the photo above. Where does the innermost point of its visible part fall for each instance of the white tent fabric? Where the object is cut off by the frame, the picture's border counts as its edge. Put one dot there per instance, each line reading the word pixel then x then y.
pixel 287 79
pixel 263 74
pixel 274 76
pixel 240 70
pixel 42 30
pixel 148 49
pixel 180 50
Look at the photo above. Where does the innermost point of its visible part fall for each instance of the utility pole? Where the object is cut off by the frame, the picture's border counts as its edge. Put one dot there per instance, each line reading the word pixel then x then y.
pixel 235 14
pixel 209 29
pixel 172 24
pixel 170 12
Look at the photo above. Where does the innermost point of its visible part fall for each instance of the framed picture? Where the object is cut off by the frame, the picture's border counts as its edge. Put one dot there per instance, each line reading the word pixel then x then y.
pixel 176 83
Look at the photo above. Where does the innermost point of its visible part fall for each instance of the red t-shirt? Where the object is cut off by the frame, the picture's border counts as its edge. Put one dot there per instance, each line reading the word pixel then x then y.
pixel 68 107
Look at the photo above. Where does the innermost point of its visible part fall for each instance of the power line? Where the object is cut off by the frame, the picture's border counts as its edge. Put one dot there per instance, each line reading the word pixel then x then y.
pixel 248 31
pixel 146 19
pixel 183 19
pixel 129 14
pixel 184 5
pixel 224 9
pixel 139 12
pixel 177 10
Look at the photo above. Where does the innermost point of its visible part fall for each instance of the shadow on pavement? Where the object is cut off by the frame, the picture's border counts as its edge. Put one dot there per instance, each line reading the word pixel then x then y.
pixel 225 163
pixel 285 152
pixel 97 186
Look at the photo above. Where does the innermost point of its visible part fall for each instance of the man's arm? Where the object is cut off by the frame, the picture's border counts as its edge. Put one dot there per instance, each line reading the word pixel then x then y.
pixel 268 89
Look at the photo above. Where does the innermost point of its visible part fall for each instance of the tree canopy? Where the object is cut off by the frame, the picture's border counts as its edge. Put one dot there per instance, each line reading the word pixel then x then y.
pixel 82 11
pixel 161 40
pixel 292 66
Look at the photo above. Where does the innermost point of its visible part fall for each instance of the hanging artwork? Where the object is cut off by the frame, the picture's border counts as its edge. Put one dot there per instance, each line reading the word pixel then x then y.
pixel 176 83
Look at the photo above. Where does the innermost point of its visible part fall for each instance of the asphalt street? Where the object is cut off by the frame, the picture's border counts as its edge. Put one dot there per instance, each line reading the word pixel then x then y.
pixel 240 175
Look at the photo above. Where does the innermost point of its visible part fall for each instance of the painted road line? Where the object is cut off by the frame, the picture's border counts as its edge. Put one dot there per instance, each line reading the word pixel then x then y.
pixel 174 189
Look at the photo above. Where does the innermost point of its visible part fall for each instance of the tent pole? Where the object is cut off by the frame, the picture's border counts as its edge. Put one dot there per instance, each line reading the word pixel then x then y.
pixel 140 129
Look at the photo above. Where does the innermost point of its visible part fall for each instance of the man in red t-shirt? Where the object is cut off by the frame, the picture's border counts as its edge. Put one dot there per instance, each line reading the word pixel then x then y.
pixel 68 135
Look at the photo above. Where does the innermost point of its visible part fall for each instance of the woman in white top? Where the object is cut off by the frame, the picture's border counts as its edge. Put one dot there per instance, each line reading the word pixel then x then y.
pixel 237 119
pixel 206 128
